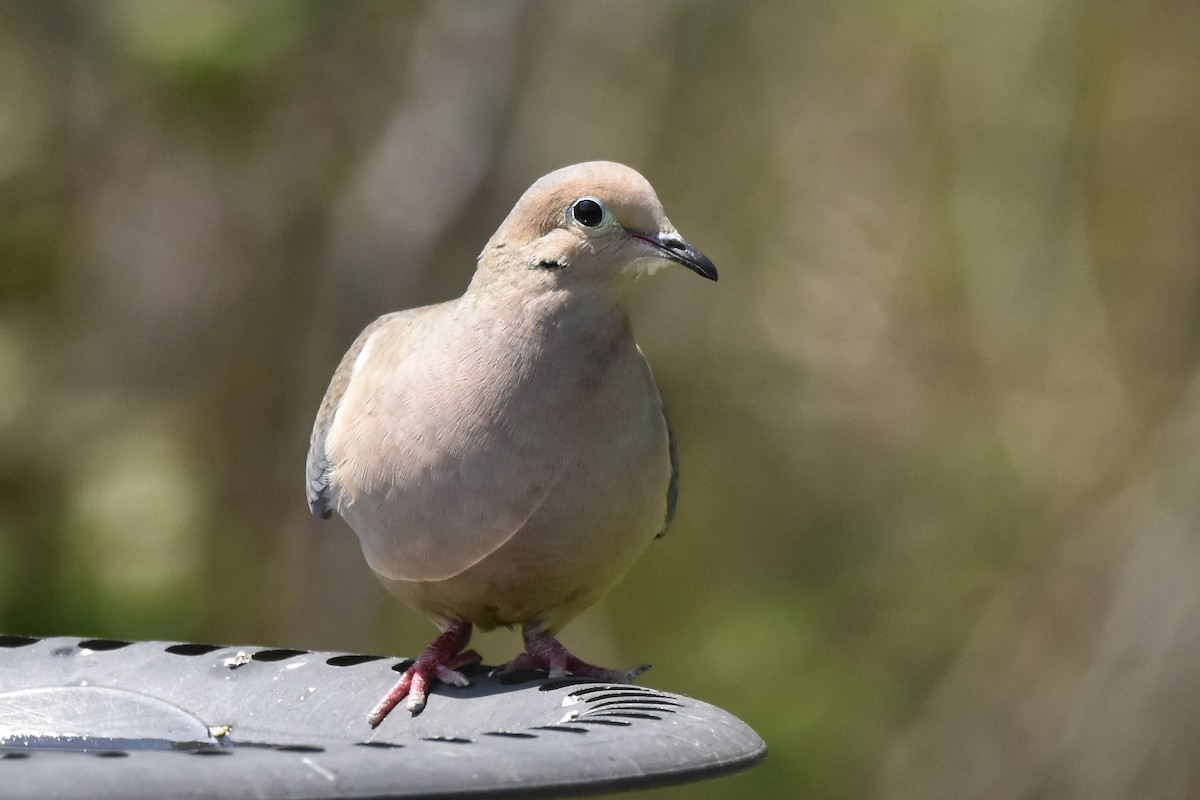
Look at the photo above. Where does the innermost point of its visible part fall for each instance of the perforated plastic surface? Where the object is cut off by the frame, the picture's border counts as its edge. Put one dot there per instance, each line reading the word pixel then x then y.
pixel 102 718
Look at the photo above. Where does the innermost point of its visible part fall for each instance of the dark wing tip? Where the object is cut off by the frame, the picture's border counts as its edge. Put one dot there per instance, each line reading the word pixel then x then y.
pixel 673 484
pixel 316 487
pixel 318 502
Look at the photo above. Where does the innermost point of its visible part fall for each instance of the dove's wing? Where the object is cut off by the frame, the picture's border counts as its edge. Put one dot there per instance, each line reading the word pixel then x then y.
pixel 415 454
pixel 317 466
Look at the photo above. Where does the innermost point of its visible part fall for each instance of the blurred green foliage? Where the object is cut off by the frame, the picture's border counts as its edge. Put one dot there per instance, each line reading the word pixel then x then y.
pixel 937 535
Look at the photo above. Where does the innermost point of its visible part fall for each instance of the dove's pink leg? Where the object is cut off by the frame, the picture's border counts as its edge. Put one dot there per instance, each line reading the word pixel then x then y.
pixel 543 651
pixel 440 661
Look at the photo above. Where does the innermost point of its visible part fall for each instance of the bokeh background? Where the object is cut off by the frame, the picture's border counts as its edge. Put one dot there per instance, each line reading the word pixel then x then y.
pixel 940 422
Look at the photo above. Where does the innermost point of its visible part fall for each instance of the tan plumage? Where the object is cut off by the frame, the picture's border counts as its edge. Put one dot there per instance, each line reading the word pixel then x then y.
pixel 504 457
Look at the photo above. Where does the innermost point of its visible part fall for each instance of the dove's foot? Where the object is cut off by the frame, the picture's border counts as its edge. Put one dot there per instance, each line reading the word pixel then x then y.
pixel 440 661
pixel 543 651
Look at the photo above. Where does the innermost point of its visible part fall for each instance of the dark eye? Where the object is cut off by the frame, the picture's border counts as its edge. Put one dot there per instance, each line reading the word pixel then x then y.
pixel 587 212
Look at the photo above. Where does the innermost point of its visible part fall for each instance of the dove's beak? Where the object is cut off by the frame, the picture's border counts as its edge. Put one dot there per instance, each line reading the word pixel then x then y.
pixel 671 246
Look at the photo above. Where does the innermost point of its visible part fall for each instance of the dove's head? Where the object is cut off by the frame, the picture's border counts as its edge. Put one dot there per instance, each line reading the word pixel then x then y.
pixel 591 224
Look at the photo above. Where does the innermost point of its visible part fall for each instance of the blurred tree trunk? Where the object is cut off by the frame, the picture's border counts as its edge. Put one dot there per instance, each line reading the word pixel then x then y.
pixel 1081 679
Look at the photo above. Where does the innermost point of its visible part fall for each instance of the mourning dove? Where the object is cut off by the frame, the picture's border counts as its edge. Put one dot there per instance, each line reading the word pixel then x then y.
pixel 504 457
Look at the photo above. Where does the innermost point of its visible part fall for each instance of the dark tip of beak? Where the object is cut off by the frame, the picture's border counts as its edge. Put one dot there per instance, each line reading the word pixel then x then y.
pixel 679 251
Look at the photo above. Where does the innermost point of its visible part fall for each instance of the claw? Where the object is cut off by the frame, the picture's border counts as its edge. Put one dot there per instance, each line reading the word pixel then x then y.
pixel 543 651
pixel 453 677
pixel 631 675
pixel 440 661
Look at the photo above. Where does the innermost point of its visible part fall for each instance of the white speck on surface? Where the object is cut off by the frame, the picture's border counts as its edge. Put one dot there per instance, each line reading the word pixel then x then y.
pixel 240 659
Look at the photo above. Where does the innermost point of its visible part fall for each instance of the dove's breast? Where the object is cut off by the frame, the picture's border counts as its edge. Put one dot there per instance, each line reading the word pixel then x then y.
pixel 543 478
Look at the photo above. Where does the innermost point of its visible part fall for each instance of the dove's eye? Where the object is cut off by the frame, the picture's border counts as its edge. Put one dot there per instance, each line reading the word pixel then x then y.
pixel 587 212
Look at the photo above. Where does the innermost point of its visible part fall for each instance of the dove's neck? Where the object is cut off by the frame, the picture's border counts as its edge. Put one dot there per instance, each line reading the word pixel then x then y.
pixel 549 327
